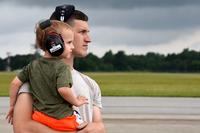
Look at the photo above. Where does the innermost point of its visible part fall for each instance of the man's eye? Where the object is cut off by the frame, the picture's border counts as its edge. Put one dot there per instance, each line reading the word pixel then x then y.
pixel 83 31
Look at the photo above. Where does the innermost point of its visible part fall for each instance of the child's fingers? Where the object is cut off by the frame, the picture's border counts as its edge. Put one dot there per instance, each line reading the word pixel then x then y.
pixel 82 98
pixel 9 117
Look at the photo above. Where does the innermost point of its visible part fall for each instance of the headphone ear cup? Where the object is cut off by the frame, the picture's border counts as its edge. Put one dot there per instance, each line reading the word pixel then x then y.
pixel 54 44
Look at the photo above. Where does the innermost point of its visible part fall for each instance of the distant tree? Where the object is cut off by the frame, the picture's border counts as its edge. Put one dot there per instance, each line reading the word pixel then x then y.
pixel 186 61
pixel 154 61
pixel 90 63
pixel 120 62
pixel 194 66
pixel 19 61
pixel 2 64
pixel 108 61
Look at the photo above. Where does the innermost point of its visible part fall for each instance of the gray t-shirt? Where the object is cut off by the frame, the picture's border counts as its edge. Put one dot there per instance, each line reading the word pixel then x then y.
pixel 85 86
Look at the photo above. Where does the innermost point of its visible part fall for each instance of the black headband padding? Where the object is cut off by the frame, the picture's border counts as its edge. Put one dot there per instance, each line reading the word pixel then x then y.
pixel 64 12
pixel 45 24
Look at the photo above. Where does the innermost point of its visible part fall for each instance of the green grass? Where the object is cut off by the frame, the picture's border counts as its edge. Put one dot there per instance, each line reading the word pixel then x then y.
pixel 148 84
pixel 5 79
pixel 135 84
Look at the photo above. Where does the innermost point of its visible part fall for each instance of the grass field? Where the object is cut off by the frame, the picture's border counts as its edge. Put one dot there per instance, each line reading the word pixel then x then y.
pixel 135 84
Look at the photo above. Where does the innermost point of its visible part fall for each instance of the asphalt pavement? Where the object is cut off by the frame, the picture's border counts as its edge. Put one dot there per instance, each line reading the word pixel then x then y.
pixel 140 115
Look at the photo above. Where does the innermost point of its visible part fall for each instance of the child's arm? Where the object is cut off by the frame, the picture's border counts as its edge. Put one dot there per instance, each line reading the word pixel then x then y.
pixel 14 88
pixel 68 95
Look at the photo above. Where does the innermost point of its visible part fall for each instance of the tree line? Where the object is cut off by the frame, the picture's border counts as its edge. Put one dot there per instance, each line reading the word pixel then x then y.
pixel 186 61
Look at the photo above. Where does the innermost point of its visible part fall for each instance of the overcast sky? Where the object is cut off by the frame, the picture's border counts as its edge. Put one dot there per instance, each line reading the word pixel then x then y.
pixel 135 26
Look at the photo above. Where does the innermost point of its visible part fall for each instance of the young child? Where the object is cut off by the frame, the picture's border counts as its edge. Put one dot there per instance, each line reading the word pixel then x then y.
pixel 50 80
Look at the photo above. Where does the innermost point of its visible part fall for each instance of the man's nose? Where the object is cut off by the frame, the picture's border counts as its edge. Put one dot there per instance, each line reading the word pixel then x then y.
pixel 88 39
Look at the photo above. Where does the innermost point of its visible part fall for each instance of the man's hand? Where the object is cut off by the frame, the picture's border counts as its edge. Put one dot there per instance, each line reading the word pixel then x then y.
pixel 94 127
pixel 9 116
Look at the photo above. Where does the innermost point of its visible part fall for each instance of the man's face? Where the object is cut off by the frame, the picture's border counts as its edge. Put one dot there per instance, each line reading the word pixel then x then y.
pixel 81 38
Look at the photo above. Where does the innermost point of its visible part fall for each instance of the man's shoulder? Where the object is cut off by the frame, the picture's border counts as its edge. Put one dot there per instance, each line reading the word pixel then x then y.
pixel 87 79
pixel 86 76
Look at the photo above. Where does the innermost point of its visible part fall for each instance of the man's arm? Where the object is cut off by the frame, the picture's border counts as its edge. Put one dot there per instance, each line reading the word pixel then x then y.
pixel 22 122
pixel 14 88
pixel 97 125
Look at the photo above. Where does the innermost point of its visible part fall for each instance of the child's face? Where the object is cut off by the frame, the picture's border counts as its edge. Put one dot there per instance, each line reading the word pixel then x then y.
pixel 68 37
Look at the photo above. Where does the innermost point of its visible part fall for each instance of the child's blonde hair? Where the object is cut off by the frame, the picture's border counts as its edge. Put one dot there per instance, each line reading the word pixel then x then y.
pixel 56 27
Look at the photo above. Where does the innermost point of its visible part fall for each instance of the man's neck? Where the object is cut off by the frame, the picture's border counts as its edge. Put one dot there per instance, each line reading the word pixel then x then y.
pixel 70 62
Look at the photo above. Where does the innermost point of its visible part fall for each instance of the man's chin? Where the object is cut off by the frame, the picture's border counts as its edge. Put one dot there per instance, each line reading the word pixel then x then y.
pixel 80 55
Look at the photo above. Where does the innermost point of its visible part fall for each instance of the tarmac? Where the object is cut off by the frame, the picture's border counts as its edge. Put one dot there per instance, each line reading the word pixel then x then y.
pixel 139 115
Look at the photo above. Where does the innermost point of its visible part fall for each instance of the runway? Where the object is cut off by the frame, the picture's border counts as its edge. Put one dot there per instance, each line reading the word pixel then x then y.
pixel 140 115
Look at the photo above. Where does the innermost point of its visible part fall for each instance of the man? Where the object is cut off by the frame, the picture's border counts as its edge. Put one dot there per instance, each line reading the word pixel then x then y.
pixel 83 85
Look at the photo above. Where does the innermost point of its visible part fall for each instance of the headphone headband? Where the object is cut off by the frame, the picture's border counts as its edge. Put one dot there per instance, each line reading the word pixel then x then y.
pixel 44 24
pixel 64 12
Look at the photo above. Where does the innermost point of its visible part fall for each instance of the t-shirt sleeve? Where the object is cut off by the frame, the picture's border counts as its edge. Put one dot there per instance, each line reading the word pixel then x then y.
pixel 64 78
pixel 97 95
pixel 96 92
pixel 24 74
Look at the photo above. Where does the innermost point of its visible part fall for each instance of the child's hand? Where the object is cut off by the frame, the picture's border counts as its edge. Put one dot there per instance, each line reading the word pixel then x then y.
pixel 9 116
pixel 82 100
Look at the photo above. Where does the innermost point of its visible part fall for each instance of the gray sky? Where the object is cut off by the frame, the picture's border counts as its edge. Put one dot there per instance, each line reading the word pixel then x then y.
pixel 135 26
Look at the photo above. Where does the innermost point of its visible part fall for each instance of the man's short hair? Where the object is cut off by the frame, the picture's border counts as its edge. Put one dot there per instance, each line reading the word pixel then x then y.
pixel 77 15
